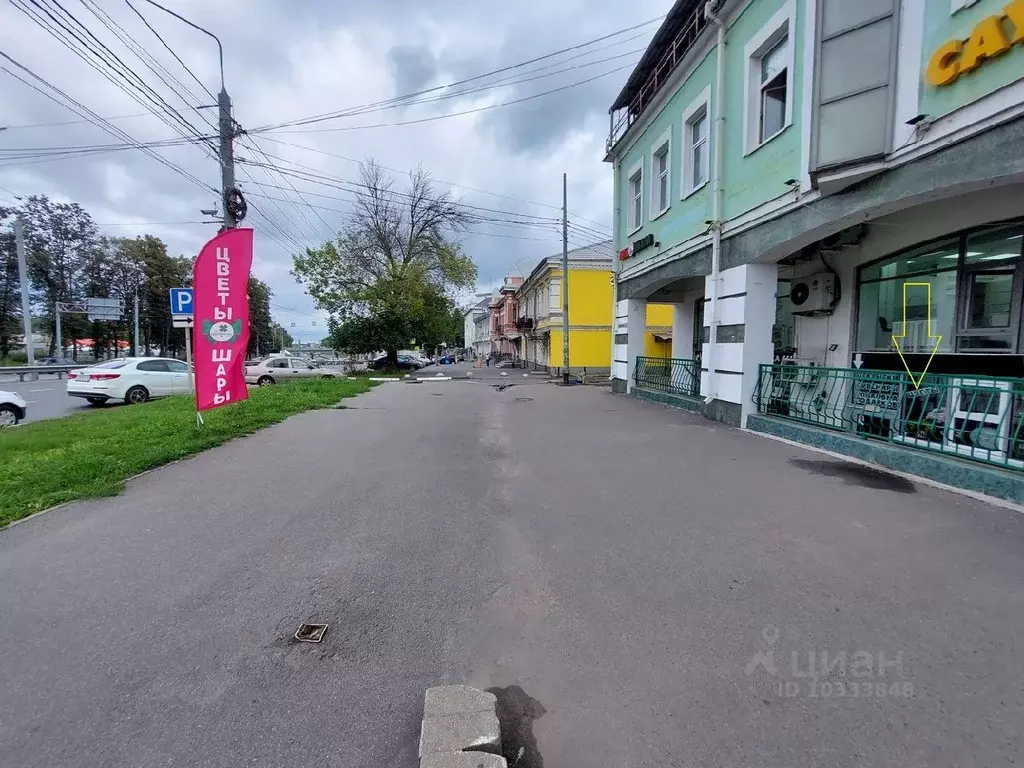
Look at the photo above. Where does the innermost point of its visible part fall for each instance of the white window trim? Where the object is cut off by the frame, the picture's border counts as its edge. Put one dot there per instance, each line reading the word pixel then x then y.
pixel 665 140
pixel 633 227
pixel 782 23
pixel 701 102
pixel 959 5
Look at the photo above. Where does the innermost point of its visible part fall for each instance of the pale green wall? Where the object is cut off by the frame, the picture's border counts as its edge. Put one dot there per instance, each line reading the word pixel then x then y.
pixel 684 218
pixel 747 181
pixel 939 27
pixel 760 176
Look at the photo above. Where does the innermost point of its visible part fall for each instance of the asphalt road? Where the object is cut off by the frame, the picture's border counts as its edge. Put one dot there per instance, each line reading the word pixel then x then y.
pixel 626 566
pixel 47 398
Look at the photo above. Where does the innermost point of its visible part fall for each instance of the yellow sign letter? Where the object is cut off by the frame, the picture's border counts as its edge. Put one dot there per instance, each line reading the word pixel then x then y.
pixel 944 67
pixel 987 41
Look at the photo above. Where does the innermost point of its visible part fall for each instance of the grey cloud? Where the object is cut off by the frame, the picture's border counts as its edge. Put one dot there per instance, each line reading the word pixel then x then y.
pixel 412 67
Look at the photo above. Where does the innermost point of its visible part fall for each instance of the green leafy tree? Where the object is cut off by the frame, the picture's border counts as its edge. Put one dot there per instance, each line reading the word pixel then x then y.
pixel 261 334
pixel 397 252
pixel 10 288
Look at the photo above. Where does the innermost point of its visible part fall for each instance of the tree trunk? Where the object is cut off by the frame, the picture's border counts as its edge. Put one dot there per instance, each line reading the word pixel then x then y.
pixel 392 358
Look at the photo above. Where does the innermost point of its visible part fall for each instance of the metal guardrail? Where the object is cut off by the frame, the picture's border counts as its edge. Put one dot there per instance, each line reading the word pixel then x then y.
pixel 975 417
pixel 21 371
pixel 676 375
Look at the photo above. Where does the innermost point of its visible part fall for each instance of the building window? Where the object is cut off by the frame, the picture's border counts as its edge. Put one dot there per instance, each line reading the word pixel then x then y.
pixel 696 144
pixel 555 295
pixel 769 105
pixel 975 295
pixel 635 211
pixel 661 179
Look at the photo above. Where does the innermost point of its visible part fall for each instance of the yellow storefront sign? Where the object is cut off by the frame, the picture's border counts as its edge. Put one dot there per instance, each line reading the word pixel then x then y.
pixel 990 38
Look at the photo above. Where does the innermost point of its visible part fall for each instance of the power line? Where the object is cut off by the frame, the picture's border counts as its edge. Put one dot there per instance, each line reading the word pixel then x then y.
pixel 451 114
pixel 73 122
pixel 331 115
pixel 109 65
pixel 89 116
pixel 439 181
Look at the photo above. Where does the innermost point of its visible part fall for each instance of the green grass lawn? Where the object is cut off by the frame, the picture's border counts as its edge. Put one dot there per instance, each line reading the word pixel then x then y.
pixel 91 454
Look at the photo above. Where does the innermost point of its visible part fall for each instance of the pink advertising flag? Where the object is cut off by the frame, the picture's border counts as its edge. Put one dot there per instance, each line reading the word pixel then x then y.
pixel 220 281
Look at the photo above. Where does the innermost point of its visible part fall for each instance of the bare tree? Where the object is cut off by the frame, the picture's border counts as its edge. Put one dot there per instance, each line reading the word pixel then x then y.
pixel 396 249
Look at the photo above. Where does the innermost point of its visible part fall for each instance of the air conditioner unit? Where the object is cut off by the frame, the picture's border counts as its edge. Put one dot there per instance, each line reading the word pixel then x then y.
pixel 814 294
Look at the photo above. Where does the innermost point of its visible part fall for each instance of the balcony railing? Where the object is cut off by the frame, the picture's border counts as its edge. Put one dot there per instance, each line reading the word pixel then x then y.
pixel 672 56
pixel 972 416
pixel 675 375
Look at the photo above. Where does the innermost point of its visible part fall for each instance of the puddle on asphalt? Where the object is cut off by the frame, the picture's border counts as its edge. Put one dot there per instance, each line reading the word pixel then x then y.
pixel 856 474
pixel 517 711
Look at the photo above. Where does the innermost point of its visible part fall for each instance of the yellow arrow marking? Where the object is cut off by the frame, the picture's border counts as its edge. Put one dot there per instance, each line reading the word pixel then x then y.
pixel 897 336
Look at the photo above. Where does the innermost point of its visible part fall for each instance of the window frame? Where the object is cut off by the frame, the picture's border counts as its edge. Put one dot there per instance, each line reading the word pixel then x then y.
pixel 632 227
pixel 1014 332
pixel 781 25
pixel 664 142
pixel 701 104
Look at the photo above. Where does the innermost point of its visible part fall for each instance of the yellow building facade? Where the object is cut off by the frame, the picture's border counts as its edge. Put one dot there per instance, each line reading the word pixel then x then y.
pixel 541 300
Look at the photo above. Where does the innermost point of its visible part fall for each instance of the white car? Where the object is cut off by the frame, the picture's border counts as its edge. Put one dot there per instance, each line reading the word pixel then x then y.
pixel 131 379
pixel 12 408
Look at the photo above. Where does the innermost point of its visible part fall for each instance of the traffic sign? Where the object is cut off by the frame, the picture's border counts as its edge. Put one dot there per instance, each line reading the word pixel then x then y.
pixel 181 301
pixel 183 322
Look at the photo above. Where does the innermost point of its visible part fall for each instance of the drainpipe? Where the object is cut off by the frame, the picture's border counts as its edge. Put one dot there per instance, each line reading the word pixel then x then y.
pixel 710 9
pixel 616 166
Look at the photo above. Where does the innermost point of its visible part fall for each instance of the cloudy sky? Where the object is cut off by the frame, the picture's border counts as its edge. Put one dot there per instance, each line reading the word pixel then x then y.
pixel 286 60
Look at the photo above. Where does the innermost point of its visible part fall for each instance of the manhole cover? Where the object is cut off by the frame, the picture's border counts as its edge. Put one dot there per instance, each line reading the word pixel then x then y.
pixel 310 633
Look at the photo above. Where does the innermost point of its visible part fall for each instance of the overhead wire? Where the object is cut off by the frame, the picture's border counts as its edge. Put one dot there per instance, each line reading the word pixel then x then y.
pixel 447 115
pixel 519 65
pixel 439 181
pixel 100 57
pixel 90 116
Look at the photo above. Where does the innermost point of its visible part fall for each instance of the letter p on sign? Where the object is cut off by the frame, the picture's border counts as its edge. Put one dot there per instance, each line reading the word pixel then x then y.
pixel 181 301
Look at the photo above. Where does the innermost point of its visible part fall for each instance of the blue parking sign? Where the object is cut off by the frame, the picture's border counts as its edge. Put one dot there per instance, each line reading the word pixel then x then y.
pixel 181 301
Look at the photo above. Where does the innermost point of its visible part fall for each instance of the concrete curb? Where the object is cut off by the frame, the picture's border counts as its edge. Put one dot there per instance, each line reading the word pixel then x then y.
pixel 460 729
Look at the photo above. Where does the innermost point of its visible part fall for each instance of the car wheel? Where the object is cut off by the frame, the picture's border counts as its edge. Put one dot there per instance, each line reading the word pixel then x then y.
pixel 96 400
pixel 136 395
pixel 327 376
pixel 265 381
pixel 8 416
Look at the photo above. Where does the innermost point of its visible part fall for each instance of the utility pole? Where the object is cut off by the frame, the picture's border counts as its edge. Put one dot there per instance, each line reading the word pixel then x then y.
pixel 135 318
pixel 57 331
pixel 226 127
pixel 26 304
pixel 565 280
pixel 227 157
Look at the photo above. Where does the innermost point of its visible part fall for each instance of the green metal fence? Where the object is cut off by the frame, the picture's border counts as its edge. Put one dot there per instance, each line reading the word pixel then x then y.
pixel 974 417
pixel 676 375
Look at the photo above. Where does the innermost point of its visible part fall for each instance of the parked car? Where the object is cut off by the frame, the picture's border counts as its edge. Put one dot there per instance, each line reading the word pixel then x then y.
pixel 55 361
pixel 12 409
pixel 131 379
pixel 446 359
pixel 275 370
pixel 405 363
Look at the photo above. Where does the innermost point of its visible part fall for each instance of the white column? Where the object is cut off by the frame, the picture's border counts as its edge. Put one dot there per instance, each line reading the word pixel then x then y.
pixel 744 335
pixel 682 330
pixel 636 328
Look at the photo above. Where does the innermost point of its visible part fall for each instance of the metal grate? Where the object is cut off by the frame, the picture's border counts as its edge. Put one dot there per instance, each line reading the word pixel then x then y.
pixel 675 375
pixel 972 416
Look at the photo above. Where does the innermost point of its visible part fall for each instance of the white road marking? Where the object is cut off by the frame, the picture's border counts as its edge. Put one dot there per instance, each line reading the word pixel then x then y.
pixel 42 390
pixel 29 402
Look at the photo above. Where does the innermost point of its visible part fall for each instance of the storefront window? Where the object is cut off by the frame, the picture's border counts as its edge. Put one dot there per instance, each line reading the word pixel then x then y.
pixel 975 295
pixel 881 311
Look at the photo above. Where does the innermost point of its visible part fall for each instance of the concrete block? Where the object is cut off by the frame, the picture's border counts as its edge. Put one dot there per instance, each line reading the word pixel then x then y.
pixel 464 760
pixel 457 699
pixel 455 733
